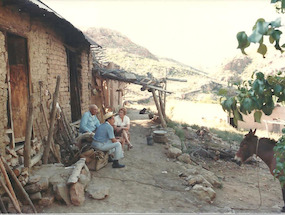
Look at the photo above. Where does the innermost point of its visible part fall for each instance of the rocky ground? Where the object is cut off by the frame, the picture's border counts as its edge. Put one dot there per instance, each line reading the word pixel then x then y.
pixel 153 183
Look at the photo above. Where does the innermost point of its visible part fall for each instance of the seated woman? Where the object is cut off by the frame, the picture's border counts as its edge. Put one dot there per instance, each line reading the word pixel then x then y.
pixel 121 128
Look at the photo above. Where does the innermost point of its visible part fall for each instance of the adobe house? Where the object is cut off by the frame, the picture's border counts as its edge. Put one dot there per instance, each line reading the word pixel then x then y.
pixel 36 46
pixel 273 123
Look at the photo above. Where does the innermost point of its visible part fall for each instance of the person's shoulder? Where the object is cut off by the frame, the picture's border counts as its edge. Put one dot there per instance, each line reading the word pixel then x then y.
pixel 86 113
pixel 127 117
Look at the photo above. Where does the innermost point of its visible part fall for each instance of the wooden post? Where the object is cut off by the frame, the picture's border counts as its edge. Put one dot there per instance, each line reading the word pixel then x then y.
pixel 161 104
pixel 52 119
pixel 158 109
pixel 17 182
pixel 164 102
pixel 29 128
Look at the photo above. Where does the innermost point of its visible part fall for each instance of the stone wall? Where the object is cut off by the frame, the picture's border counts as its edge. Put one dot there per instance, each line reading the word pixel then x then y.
pixel 47 59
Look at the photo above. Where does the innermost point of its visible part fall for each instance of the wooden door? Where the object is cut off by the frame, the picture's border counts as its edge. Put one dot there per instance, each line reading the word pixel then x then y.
pixel 74 86
pixel 19 84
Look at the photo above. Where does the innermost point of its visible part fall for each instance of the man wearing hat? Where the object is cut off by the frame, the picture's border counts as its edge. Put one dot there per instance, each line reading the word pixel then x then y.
pixel 104 139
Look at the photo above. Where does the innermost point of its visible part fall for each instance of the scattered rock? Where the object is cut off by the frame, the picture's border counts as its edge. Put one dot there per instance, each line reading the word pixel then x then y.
pixel 98 193
pixel 34 179
pixel 36 196
pixel 198 179
pixel 41 185
pixel 185 158
pixel 173 152
pixel 204 193
pixel 46 200
pixel 77 194
pixel 212 178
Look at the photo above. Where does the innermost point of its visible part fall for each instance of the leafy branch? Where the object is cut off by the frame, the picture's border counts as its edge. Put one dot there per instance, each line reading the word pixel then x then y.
pixel 259 94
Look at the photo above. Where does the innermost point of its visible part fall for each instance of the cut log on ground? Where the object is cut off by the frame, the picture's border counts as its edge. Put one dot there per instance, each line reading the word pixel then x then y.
pixel 76 172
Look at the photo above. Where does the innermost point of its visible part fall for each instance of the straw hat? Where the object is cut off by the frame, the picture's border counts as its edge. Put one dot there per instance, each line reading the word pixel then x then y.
pixel 108 115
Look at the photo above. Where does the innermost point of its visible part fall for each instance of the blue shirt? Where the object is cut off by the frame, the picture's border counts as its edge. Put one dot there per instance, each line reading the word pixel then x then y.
pixel 88 123
pixel 104 133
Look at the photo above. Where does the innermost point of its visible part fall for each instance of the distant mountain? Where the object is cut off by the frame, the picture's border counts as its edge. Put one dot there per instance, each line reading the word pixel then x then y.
pixel 241 67
pixel 113 39
pixel 131 57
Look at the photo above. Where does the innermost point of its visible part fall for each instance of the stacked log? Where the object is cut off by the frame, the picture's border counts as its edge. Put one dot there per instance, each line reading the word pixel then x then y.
pixel 15 157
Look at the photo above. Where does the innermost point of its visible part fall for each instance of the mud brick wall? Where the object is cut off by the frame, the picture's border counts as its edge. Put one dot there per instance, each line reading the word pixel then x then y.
pixel 86 81
pixel 4 140
pixel 47 59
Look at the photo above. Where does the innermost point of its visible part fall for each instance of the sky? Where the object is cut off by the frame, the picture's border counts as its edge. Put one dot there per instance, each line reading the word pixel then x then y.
pixel 199 33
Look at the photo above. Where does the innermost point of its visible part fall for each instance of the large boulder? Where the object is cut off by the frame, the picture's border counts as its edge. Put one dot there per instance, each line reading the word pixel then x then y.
pixel 173 152
pixel 77 195
pixel 98 192
pixel 62 193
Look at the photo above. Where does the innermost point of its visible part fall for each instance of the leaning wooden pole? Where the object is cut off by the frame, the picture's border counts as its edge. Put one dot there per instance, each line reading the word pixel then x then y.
pixel 19 185
pixel 158 108
pixel 9 185
pixel 28 136
pixel 52 120
pixel 13 200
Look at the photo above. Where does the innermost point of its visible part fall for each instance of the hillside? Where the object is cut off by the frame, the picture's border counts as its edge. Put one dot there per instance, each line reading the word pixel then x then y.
pixel 242 66
pixel 131 57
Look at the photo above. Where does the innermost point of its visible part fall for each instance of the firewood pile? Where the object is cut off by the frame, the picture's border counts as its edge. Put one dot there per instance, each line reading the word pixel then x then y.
pixel 15 159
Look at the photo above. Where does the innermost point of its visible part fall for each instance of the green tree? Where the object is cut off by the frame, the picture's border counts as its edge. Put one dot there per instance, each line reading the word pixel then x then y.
pixel 260 94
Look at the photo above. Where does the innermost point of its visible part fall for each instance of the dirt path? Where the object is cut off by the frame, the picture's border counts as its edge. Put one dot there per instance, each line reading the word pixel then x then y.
pixel 143 186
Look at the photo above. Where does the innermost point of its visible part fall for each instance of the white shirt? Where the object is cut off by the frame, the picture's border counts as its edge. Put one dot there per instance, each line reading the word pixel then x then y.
pixel 120 122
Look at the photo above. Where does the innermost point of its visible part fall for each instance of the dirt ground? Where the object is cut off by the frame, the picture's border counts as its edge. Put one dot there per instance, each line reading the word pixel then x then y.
pixel 150 183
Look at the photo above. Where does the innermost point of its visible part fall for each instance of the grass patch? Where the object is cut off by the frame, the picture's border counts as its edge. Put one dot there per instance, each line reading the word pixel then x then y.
pixel 228 136
pixel 180 133
pixel 144 101
pixel 171 124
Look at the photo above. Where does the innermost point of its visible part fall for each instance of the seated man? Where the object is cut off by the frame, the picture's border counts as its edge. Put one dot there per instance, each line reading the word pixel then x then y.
pixel 104 140
pixel 89 121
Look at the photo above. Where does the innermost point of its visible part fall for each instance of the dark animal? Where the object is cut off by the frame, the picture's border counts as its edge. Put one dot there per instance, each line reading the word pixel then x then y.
pixel 263 148
pixel 143 111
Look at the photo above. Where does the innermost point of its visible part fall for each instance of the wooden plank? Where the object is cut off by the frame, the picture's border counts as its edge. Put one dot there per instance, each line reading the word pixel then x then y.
pixel 175 79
